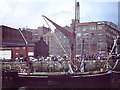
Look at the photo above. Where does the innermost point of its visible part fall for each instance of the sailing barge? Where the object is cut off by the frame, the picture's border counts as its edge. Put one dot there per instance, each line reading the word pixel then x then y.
pixel 69 79
pixel 81 79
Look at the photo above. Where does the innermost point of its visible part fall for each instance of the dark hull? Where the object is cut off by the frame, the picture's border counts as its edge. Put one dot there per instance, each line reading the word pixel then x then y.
pixel 101 80
pixel 10 79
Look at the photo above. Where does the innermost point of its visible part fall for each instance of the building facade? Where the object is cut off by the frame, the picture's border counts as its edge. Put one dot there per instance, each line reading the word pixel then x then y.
pixel 50 40
pixel 41 49
pixel 47 37
pixel 98 37
pixel 58 43
pixel 11 40
pixel 39 32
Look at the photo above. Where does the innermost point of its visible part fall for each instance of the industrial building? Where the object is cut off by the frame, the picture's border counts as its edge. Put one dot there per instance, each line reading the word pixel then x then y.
pixel 91 38
pixel 41 49
pixel 58 43
pixel 38 33
pixel 12 43
pixel 98 37
pixel 40 38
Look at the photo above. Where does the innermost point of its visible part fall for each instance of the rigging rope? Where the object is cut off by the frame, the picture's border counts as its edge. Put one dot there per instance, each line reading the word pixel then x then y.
pixel 56 38
pixel 115 64
pixel 110 54
pixel 75 66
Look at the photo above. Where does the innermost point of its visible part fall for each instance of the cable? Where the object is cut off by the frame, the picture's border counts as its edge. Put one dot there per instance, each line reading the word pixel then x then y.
pixel 56 38
pixel 115 64
pixel 115 42
pixel 61 45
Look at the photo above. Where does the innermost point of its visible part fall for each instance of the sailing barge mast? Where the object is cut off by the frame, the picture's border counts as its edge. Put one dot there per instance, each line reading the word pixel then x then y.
pixel 70 35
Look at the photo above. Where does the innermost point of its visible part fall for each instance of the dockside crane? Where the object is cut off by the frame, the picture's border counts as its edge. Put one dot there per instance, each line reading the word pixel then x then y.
pixel 26 46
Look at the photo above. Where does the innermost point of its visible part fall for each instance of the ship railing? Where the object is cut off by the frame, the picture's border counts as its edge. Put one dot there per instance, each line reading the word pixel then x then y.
pixel 59 66
pixel 90 65
pixel 50 66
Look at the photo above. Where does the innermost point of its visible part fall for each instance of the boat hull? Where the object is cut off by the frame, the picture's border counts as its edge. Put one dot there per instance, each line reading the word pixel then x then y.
pixel 101 80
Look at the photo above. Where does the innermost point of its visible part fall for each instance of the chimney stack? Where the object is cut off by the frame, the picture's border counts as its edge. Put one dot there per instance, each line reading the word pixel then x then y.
pixel 77 12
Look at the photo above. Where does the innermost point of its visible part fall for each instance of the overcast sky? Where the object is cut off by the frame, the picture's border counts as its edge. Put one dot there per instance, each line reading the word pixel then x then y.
pixel 22 13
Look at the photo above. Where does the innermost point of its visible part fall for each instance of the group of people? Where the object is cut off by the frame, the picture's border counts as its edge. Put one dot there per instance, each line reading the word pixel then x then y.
pixel 52 58
pixel 64 57
pixel 21 58
pixel 95 57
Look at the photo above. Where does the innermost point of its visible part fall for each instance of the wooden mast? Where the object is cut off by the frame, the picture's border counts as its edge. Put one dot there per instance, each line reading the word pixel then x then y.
pixel 73 39
pixel 70 35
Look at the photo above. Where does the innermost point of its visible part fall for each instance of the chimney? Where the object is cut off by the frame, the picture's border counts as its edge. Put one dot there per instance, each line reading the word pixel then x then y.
pixel 77 12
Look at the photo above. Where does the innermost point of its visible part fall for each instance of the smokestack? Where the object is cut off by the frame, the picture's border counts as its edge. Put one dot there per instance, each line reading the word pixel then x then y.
pixel 77 12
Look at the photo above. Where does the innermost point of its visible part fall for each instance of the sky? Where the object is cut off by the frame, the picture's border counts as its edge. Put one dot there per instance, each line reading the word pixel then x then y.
pixel 28 13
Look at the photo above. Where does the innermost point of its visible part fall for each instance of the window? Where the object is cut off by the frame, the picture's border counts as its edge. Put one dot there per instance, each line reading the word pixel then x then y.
pixel 85 34
pixel 93 45
pixel 78 39
pixel 86 45
pixel 100 33
pixel 85 28
pixel 92 27
pixel 100 38
pixel 99 27
pixel 101 45
pixel 79 46
pixel 86 39
pixel 109 34
pixel 78 34
pixel 92 34
pixel 91 39
pixel 78 51
pixel 79 28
